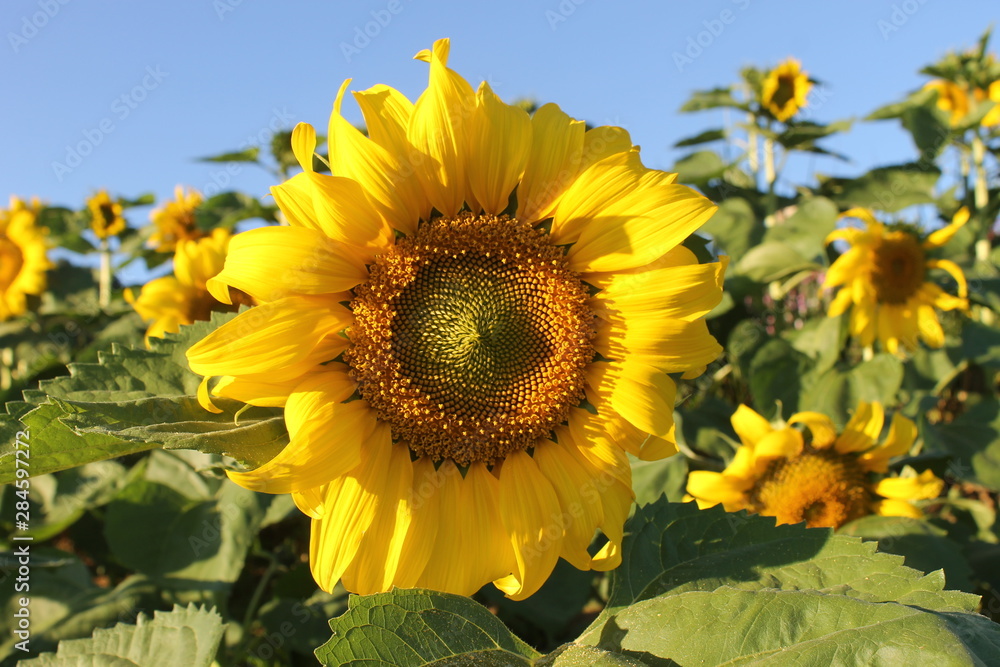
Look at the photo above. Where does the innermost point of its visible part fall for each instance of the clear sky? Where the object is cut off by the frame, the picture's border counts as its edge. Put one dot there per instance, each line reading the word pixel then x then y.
pixel 146 87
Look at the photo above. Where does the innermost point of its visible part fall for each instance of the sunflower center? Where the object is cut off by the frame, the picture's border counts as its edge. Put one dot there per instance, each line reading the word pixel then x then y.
pixel 820 487
pixel 898 267
pixel 471 338
pixel 785 92
pixel 11 261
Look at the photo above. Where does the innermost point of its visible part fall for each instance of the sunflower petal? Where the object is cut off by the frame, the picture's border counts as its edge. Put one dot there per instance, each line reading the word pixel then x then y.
pixel 902 434
pixel 424 507
pixel 924 486
pixel 579 499
pixel 939 237
pixel 863 428
pixel 820 426
pixel 749 425
pixel 499 142
pixel 553 161
pixel 956 273
pixel 639 392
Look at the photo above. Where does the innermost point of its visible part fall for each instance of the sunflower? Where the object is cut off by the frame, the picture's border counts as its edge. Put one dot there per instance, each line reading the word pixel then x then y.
pixel 23 260
pixel 175 220
pixel 991 93
pixel 105 215
pixel 183 298
pixel 469 325
pixel 817 476
pixel 785 90
pixel 952 99
pixel 883 274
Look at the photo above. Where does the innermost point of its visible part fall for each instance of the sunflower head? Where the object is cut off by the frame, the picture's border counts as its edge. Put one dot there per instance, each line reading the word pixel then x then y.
pixel 992 94
pixel 183 298
pixel 469 325
pixel 882 279
pixel 105 215
pixel 23 259
pixel 175 220
pixel 817 474
pixel 952 99
pixel 785 90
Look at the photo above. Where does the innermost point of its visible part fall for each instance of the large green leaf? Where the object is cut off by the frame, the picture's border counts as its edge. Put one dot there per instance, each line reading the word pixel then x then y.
pixel 185 636
pixel 837 390
pixel 416 627
pixel 889 189
pixel 711 587
pixel 734 227
pixel 130 401
pixel 972 438
pixel 807 228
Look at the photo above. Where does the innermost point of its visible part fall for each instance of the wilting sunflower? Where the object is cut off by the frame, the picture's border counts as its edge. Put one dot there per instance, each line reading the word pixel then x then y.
pixel 470 324
pixel 785 90
pixel 817 475
pixel 184 298
pixel 105 215
pixel 23 261
pixel 175 220
pixel 883 277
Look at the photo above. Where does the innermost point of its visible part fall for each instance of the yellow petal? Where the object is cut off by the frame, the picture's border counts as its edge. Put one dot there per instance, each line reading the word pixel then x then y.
pixel 820 426
pixel 712 488
pixel 264 390
pixel 381 545
pixel 655 448
pixel 335 206
pixel 600 142
pixel 677 292
pixel 898 508
pixel 587 438
pixel 840 303
pixel 902 434
pixel 310 501
pixel 865 215
pixel 438 130
pixel 930 328
pixel 312 457
pixel 553 162
pixel 383 176
pixel 638 392
pixel 863 428
pixel 486 552
pixel 304 145
pixel 579 498
pixel 749 425
pixel 424 507
pixel 499 141
pixel 939 237
pixel 270 337
pixel 783 443
pixel 351 503
pixel 627 215
pixel 528 504
pixel 307 263
pixel 666 344
pixel 956 273
pixel 616 501
pixel 204 399
pixel 924 486
pixel 847 267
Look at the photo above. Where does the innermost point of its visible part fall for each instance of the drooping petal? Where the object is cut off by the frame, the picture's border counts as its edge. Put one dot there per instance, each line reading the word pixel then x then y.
pixel 902 434
pixel 553 161
pixel 499 141
pixel 351 504
pixel 820 426
pixel 712 488
pixel 930 328
pixel 587 438
pixel 616 500
pixel 579 498
pixel 310 501
pixel 309 263
pixel 939 237
pixel 529 510
pixel 749 425
pixel 863 428
pixel 840 303
pixel 639 392
pixel 312 457
pixel 924 486
pixel 264 390
pixel 892 507
pixel 273 336
pixel 438 128
pixel 955 272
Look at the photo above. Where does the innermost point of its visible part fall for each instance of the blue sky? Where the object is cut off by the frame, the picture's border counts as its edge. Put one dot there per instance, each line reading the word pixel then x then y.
pixel 149 87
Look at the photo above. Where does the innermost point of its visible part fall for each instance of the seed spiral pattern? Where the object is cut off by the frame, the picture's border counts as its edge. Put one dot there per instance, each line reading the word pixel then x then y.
pixel 471 338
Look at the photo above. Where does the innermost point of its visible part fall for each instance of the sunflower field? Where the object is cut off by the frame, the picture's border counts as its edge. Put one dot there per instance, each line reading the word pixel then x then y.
pixel 473 384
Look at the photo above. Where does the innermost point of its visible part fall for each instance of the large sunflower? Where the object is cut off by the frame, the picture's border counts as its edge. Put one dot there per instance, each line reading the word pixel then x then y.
pixel 105 215
pixel 469 326
pixel 817 476
pixel 183 298
pixel 175 220
pixel 785 90
pixel 883 275
pixel 23 260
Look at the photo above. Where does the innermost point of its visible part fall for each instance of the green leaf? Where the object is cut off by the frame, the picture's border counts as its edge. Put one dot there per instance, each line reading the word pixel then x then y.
pixel 699 167
pixel 712 99
pixel 775 375
pixel 652 479
pixel 248 155
pixel 928 126
pixel 702 138
pixel 672 549
pixel 836 391
pixel 576 655
pixel 226 209
pixel 133 400
pixel 64 497
pixel 972 439
pixel 922 97
pixel 415 627
pixel 185 636
pixel 924 546
pixel 887 189
pixel 772 260
pixel 806 229
pixel 800 627
pixel 803 135
pixel 734 227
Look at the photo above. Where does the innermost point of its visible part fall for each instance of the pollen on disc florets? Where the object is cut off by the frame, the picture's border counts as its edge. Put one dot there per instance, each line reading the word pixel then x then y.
pixel 820 487
pixel 471 337
pixel 897 266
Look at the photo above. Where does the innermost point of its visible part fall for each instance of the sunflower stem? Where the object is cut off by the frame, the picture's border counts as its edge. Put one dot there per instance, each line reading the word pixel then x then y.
pixel 104 283
pixel 753 155
pixel 258 592
pixel 978 158
pixel 769 174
